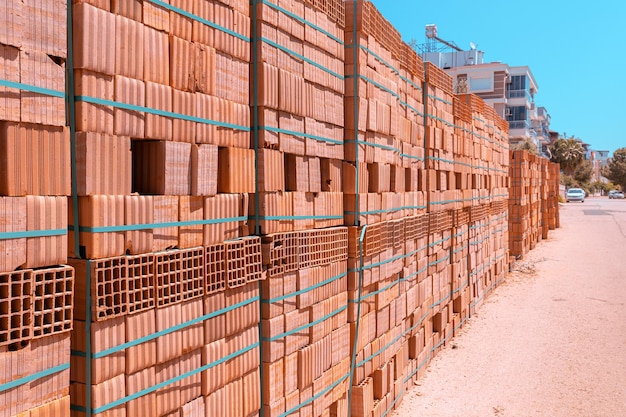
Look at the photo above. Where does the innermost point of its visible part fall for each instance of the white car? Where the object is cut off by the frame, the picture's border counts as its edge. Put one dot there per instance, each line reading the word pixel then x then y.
pixel 575 194
pixel 616 194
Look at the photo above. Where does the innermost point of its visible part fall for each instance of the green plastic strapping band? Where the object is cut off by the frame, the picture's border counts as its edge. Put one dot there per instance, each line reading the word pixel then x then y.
pixel 393 403
pixel 372 294
pixel 32 88
pixel 388 65
pixel 374 83
pixel 434 97
pixel 302 57
pixel 383 211
pixel 374 145
pixel 302 20
pixel 414 274
pixel 301 134
pixel 198 19
pixel 143 109
pixel 32 233
pixel 445 258
pixel 419 367
pixel 278 218
pixel 305 290
pixel 25 380
pixel 304 327
pixel 315 397
pixel 167 331
pixel 413 109
pixel 163 384
pixel 148 226
pixel 440 301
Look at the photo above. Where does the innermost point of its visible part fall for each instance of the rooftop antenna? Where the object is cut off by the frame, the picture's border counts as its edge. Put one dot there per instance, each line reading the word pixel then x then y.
pixel 434 43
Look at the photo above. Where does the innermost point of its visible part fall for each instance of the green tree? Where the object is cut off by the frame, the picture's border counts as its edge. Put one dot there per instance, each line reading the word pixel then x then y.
pixel 583 172
pixel 569 153
pixel 526 145
pixel 616 168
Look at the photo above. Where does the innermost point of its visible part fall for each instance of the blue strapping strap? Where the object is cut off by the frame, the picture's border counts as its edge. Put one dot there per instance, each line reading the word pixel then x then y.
pixel 167 331
pixel 301 134
pixel 198 19
pixel 163 384
pixel 32 88
pixel 304 291
pixel 147 226
pixel 315 397
pixel 302 20
pixel 278 218
pixel 30 378
pixel 304 327
pixel 302 57
pixel 144 109
pixel 32 233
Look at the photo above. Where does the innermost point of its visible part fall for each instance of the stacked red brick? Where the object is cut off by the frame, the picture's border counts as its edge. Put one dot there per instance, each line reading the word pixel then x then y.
pixel 305 331
pixel 383 190
pixel 297 100
pixel 487 154
pixel 36 288
pixel 164 170
pixel 533 202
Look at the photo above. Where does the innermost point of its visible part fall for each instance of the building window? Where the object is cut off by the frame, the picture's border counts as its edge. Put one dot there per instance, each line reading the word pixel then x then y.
pixel 516 113
pixel 518 87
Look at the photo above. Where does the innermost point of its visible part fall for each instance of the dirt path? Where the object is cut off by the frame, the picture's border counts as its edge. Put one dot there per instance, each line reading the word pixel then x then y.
pixel 551 341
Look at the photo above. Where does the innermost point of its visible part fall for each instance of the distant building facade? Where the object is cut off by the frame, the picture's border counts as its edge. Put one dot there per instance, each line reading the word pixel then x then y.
pixel 509 90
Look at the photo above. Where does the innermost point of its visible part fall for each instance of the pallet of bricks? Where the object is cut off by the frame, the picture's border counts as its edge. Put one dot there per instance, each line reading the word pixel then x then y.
pixel 552 206
pixel 166 322
pixel 550 179
pixel 297 104
pixel 36 285
pixel 488 220
pixel 384 197
pixel 523 191
pixel 533 205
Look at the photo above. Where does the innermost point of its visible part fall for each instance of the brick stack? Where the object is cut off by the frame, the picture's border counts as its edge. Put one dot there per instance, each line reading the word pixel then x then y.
pixel 533 202
pixel 297 100
pixel 36 287
pixel 552 206
pixel 169 314
pixel 305 331
pixel 384 189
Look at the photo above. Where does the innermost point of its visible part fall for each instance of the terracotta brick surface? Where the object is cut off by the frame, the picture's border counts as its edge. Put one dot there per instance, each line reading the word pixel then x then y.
pixel 142 355
pixel 190 208
pixel 204 170
pixel 104 335
pixel 53 300
pixel 98 155
pixel 16 307
pixel 129 122
pixel 35 160
pixel 162 167
pixel 165 211
pixel 9 70
pixel 98 211
pixel 40 70
pixel 13 215
pixel 108 283
pixel 94 30
pixel 46 213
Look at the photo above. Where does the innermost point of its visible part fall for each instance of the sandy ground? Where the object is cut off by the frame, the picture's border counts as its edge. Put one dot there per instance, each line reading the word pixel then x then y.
pixel 550 341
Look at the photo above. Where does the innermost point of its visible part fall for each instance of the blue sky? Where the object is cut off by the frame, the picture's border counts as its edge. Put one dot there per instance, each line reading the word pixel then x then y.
pixel 576 53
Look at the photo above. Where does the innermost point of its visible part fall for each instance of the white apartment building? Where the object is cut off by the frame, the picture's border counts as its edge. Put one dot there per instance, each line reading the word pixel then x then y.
pixel 509 90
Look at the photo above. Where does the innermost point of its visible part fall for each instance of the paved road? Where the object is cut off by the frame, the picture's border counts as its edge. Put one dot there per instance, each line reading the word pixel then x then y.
pixel 549 342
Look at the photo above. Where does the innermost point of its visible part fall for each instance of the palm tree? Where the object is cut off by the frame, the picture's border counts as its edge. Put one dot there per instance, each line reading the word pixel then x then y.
pixel 569 153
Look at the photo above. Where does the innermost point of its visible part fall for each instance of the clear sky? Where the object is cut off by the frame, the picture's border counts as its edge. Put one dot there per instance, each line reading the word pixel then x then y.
pixel 576 50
